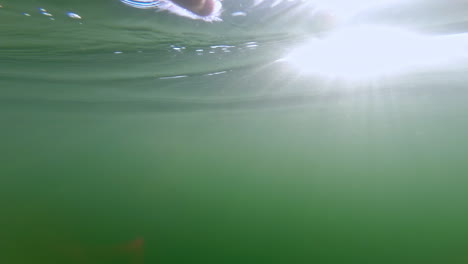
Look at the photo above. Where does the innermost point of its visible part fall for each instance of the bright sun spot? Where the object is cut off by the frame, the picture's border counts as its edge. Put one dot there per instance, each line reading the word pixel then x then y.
pixel 367 52
pixel 348 8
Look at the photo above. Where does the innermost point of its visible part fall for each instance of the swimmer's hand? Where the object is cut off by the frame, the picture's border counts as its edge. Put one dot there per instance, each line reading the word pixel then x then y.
pixel 199 7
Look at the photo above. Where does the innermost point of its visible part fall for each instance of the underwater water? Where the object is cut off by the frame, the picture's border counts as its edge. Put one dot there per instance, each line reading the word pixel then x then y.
pixel 135 136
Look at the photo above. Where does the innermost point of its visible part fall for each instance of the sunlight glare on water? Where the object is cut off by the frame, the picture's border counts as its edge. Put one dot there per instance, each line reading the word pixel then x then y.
pixel 367 52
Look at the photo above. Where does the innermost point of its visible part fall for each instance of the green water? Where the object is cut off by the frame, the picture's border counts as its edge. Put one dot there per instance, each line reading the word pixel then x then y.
pixel 251 165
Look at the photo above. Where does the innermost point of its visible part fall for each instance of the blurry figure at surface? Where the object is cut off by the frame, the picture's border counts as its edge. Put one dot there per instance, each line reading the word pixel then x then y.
pixel 207 10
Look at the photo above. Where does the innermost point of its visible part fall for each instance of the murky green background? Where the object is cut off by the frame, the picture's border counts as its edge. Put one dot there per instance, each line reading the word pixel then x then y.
pixel 253 164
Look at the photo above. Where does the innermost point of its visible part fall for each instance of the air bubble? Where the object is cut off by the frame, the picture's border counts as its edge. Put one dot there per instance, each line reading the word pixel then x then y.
pixel 73 15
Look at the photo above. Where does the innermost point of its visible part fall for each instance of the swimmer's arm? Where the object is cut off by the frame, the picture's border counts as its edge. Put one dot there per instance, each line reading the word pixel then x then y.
pixel 199 7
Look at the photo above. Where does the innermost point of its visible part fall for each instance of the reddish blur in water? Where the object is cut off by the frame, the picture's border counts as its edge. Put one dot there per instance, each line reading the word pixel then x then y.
pixel 131 252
